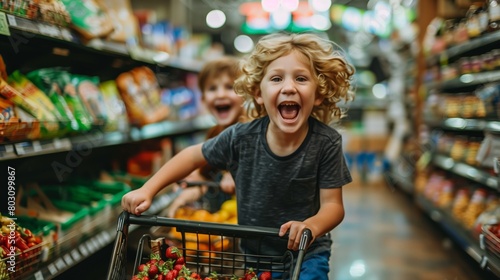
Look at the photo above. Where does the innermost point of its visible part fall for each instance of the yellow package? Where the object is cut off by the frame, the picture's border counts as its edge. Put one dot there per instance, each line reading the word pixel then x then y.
pixel 10 93
pixel 30 91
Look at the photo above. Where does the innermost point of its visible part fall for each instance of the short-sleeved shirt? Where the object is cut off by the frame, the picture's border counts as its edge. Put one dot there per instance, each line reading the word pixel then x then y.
pixel 272 190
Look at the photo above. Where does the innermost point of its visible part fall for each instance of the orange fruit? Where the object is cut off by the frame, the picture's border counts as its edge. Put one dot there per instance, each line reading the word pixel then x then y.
pixel 201 215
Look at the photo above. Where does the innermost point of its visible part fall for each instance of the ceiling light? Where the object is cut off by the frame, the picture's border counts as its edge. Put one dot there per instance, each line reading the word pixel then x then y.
pixel 320 5
pixel 216 18
pixel 243 44
pixel 290 5
pixel 270 5
pixel 320 22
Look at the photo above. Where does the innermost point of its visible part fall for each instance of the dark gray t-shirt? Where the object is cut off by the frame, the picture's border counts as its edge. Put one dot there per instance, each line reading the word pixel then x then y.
pixel 272 190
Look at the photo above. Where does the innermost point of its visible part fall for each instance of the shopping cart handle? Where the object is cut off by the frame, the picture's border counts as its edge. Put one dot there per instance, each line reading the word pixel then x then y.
pixel 126 219
pixel 305 239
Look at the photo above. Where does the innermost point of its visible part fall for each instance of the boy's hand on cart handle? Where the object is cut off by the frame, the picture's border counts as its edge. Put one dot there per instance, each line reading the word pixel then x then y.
pixel 136 202
pixel 295 230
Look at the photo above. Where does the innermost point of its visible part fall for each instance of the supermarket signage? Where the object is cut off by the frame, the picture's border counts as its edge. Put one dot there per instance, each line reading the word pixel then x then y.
pixel 4 26
pixel 380 21
pixel 259 22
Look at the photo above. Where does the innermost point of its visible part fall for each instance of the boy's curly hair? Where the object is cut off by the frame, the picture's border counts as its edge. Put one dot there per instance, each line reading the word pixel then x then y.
pixel 215 68
pixel 332 72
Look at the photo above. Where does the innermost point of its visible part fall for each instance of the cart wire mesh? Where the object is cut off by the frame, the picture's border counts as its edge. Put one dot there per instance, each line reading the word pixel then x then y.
pixel 207 247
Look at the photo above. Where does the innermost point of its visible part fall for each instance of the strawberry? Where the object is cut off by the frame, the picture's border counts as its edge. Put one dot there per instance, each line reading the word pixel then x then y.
pixel 143 267
pixel 266 275
pixel 250 274
pixel 178 267
pixel 175 273
pixel 195 275
pixel 153 270
pixel 170 275
pixel 180 260
pixel 172 252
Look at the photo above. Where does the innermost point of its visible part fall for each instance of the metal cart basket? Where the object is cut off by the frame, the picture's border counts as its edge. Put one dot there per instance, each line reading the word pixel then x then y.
pixel 227 259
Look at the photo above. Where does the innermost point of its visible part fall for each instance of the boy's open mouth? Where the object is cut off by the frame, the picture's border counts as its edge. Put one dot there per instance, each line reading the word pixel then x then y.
pixel 223 108
pixel 289 110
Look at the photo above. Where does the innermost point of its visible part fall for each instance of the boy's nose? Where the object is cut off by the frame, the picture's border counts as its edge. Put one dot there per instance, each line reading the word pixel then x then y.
pixel 288 87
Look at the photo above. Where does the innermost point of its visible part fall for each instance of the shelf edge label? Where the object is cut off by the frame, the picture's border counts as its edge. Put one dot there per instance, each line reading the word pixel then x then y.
pixel 4 26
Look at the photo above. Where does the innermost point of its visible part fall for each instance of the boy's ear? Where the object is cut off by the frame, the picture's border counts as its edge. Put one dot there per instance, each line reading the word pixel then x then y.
pixel 319 99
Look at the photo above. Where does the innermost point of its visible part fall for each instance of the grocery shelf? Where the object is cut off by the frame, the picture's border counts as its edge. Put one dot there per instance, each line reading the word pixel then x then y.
pixel 463 48
pixel 465 124
pixel 69 258
pixel 466 171
pixel 22 30
pixel 465 81
pixel 102 138
pixel 464 239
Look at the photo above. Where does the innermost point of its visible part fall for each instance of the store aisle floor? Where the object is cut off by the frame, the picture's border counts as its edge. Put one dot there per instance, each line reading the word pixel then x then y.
pixel 384 236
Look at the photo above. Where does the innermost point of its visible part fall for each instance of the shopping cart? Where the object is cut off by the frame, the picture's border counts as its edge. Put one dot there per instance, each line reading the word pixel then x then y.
pixel 227 260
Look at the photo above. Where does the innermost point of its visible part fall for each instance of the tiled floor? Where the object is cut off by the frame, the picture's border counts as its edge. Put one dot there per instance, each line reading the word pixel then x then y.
pixel 384 236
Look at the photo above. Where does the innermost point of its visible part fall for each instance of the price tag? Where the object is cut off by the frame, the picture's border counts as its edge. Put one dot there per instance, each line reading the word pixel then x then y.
pixel 100 240
pixel 91 246
pixel 52 269
pixel 37 147
pixel 20 148
pixel 96 244
pixel 76 255
pixel 39 275
pixel 4 26
pixel 12 20
pixel 24 24
pixel 68 259
pixel 66 34
pixel 107 236
pixel 83 250
pixel 49 30
pixel 60 264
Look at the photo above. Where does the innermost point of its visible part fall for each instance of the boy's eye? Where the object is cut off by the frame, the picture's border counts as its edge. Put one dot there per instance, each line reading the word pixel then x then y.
pixel 301 79
pixel 275 79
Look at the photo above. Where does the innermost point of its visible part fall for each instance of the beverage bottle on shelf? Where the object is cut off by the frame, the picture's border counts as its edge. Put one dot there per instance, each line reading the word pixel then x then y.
pixel 494 15
pixel 477 20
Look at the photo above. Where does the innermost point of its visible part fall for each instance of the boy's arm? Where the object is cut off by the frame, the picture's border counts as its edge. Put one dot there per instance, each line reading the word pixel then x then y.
pixel 330 215
pixel 177 168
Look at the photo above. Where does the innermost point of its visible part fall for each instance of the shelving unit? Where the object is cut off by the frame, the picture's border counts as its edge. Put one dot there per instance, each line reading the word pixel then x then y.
pixel 29 45
pixel 459 126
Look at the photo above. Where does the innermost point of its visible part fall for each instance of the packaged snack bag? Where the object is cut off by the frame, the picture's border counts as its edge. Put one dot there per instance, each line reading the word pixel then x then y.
pixel 140 91
pixel 88 18
pixel 6 110
pixel 82 117
pixel 29 90
pixel 116 111
pixel 46 80
pixel 27 103
pixel 148 84
pixel 91 96
pixel 137 104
